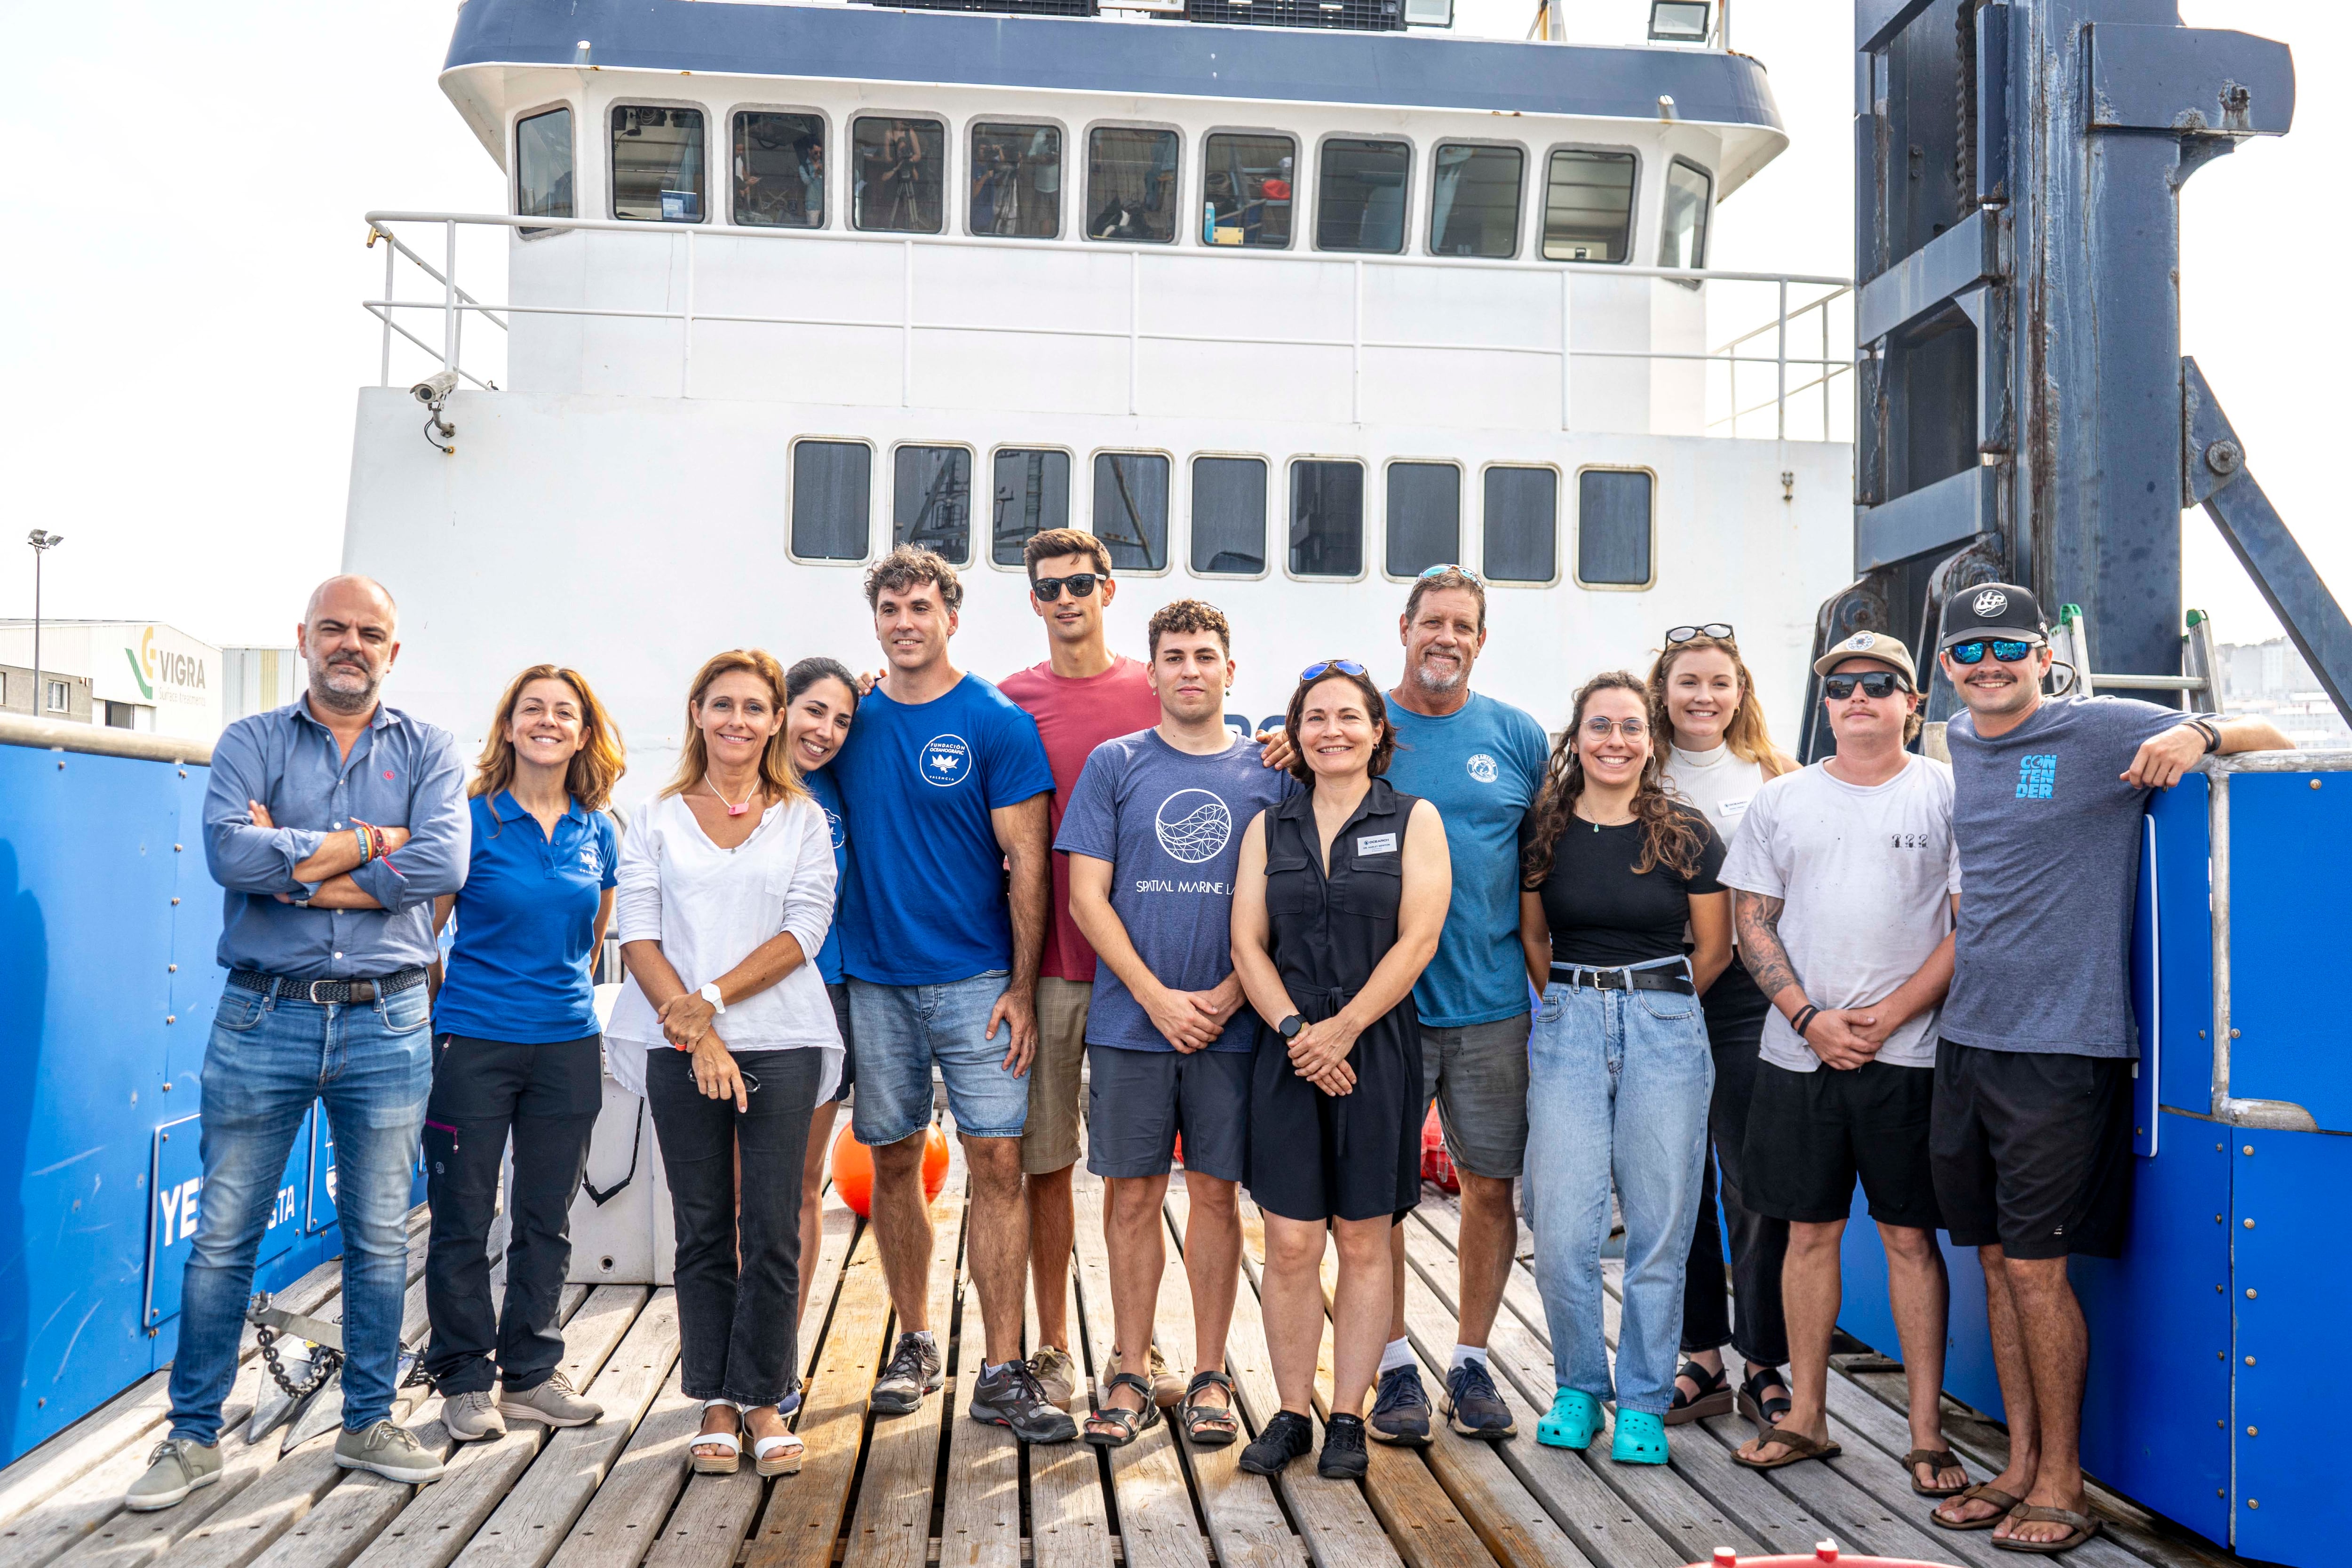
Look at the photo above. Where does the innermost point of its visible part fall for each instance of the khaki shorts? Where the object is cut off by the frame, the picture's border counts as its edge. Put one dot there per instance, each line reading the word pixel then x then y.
pixel 1050 1142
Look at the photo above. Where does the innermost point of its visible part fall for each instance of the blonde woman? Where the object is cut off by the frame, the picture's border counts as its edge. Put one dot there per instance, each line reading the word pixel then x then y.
pixel 726 893
pixel 1718 752
pixel 516 1051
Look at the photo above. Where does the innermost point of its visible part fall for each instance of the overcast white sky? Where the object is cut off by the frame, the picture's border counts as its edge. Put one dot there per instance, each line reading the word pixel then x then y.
pixel 181 339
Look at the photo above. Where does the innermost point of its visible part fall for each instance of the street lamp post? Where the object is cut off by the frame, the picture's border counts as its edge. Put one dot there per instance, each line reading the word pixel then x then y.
pixel 43 541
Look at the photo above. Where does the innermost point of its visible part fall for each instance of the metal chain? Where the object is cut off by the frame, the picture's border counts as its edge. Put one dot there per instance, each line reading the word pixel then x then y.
pixel 324 1363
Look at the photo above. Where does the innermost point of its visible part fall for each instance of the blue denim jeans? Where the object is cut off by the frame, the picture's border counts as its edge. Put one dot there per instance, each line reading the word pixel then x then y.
pixel 1617 1085
pixel 268 1059
pixel 903 1029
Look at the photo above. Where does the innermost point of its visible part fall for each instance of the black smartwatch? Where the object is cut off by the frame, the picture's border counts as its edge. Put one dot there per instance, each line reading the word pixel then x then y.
pixel 1290 1026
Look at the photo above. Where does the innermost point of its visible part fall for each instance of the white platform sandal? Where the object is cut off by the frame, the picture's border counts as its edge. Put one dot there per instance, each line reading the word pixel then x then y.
pixel 724 1464
pixel 778 1456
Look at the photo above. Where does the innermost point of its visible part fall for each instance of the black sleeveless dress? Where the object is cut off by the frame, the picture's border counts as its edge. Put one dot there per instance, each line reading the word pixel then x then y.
pixel 1315 1156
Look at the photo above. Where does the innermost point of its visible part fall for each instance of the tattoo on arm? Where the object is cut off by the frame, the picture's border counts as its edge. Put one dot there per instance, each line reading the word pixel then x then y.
pixel 1759 919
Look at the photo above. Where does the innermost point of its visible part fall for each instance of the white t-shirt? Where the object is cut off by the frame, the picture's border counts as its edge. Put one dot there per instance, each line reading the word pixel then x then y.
pixel 1720 782
pixel 1867 876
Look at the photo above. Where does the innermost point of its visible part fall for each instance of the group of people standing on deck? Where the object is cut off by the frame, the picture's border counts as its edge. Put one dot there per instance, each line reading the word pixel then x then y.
pixel 1647 969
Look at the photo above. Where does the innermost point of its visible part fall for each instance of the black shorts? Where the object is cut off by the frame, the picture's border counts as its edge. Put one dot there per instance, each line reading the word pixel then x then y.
pixel 838 993
pixel 2033 1149
pixel 1810 1134
pixel 1138 1102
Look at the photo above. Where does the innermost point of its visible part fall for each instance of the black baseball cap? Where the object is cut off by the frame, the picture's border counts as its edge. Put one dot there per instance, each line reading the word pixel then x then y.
pixel 1991 610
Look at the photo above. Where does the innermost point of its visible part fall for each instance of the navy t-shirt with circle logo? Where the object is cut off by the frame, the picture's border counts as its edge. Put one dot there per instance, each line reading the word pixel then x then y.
pixel 923 900
pixel 517 970
pixel 827 796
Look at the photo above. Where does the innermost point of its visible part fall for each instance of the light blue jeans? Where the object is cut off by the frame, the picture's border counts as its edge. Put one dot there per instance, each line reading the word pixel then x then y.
pixel 1617 1085
pixel 268 1059
pixel 902 1029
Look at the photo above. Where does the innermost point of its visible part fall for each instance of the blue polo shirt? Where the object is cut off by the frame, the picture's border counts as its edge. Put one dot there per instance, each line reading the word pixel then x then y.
pixel 828 799
pixel 526 920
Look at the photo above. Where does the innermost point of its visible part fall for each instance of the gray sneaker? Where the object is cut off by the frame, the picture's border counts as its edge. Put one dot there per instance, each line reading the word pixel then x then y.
pixel 473 1417
pixel 552 1404
pixel 177 1467
pixel 390 1451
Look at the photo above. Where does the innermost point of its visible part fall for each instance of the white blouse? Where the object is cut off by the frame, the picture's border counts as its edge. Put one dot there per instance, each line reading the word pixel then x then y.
pixel 709 907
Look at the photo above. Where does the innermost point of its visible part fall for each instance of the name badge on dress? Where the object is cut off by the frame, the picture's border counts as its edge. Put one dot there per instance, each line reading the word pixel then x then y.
pixel 1378 844
pixel 1732 810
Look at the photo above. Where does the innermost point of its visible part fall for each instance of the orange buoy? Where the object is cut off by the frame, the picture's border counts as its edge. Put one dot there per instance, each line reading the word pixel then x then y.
pixel 852 1169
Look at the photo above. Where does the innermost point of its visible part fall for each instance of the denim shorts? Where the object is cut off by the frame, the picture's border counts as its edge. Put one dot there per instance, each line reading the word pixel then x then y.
pixel 903 1029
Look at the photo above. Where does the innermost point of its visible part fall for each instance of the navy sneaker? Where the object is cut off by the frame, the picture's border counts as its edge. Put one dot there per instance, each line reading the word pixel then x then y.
pixel 1286 1437
pixel 1401 1410
pixel 1343 1457
pixel 1474 1406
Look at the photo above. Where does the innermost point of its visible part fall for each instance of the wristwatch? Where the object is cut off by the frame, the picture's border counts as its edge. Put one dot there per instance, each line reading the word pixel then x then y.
pixel 710 994
pixel 1291 1026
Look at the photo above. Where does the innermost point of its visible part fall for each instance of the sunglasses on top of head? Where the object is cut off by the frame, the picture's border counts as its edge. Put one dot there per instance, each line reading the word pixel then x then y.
pixel 1876 683
pixel 1442 567
pixel 1720 630
pixel 2005 650
pixel 1324 666
pixel 1079 583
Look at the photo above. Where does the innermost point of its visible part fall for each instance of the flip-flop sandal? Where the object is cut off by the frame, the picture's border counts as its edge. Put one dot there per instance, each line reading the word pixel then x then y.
pixel 2080 1527
pixel 1128 1424
pixel 1984 1492
pixel 724 1464
pixel 1935 1459
pixel 1766 1413
pixel 1715 1396
pixel 1209 1426
pixel 1800 1449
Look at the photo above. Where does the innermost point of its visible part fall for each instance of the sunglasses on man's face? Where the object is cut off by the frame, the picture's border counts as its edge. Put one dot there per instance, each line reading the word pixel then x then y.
pixel 2005 650
pixel 1720 630
pixel 1344 666
pixel 1878 684
pixel 1079 583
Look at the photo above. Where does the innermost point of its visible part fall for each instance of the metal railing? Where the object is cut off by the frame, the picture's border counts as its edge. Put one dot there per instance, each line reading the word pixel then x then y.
pixel 455 303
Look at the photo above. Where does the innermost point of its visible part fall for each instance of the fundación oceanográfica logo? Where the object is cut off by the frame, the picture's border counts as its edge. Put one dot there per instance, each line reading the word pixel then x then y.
pixel 944 761
pixel 1482 768
pixel 1193 825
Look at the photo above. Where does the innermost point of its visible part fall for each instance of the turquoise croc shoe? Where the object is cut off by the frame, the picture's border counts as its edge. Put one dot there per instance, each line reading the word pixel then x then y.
pixel 1641 1440
pixel 1574 1421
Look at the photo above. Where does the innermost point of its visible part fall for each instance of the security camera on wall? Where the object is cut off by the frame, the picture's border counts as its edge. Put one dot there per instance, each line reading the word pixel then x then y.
pixel 435 387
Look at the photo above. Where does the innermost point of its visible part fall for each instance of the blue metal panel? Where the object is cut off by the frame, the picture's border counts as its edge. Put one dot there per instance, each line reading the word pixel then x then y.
pixel 2180 1058
pixel 2290 853
pixel 177 1201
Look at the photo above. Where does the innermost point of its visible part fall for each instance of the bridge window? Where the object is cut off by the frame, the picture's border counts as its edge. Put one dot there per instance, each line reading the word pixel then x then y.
pixel 1229 516
pixel 1031 494
pixel 1131 185
pixel 1684 242
pixel 1131 508
pixel 543 165
pixel 656 164
pixel 1326 517
pixel 1475 207
pixel 1425 516
pixel 1245 192
pixel 1017 181
pixel 780 171
pixel 1522 543
pixel 900 174
pixel 930 500
pixel 831 481
pixel 1359 206
pixel 1589 205
pixel 1614 524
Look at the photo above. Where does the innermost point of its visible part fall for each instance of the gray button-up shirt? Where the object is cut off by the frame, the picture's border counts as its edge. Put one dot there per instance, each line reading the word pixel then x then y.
pixel 402 773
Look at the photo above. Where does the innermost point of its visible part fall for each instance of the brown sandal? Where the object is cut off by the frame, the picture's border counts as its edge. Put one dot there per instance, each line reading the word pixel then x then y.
pixel 1800 1448
pixel 2080 1527
pixel 1984 1492
pixel 1935 1459
pixel 1209 1426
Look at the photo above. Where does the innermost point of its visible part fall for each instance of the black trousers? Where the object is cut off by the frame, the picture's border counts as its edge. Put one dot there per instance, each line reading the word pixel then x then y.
pixel 1736 1011
pixel 546 1098
pixel 738 1335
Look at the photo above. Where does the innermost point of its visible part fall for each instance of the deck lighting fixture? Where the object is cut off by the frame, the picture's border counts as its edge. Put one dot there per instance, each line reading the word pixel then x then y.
pixel 43 541
pixel 1680 21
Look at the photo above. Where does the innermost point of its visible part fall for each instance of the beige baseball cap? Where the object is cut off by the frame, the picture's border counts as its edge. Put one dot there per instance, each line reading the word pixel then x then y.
pixel 1870 645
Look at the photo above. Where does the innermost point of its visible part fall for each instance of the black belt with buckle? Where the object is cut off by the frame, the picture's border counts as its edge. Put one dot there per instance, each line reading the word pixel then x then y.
pixel 1675 980
pixel 328 992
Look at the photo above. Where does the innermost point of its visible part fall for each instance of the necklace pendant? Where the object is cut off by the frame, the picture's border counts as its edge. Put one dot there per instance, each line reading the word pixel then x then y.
pixel 732 809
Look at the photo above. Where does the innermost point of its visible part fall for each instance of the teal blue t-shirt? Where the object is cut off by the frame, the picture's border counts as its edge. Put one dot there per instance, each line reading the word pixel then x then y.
pixel 1481 767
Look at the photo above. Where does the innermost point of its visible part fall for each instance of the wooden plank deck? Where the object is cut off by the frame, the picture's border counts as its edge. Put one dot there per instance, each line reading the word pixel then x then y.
pixel 936 1488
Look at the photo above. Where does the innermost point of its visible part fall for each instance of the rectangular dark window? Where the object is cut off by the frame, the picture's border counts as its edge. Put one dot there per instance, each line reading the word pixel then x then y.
pixel 1589 205
pixel 656 164
pixel 1031 494
pixel 1326 517
pixel 1614 527
pixel 543 165
pixel 831 481
pixel 1473 203
pixel 1016 180
pixel 1131 185
pixel 930 500
pixel 780 171
pixel 1522 525
pixel 900 174
pixel 1131 508
pixel 1684 242
pixel 1229 515
pixel 1245 190
pixel 1359 206
pixel 1424 517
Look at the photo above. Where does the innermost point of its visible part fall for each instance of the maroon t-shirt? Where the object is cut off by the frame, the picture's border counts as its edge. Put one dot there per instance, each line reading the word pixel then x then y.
pixel 1073 717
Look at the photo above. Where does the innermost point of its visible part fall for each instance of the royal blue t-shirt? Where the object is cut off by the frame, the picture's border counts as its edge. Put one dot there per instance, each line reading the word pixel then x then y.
pixel 1482 767
pixel 924 902
pixel 526 922
pixel 828 799
pixel 1170 825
